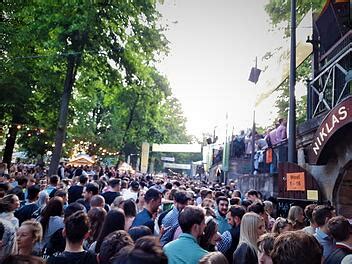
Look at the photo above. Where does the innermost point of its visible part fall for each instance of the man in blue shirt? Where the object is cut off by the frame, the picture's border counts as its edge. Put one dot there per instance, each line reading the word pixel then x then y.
pixel 185 249
pixel 146 217
pixel 170 221
pixel 321 216
pixel 220 213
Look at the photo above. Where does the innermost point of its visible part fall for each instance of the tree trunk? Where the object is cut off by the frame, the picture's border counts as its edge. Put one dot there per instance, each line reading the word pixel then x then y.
pixel 10 144
pixel 61 128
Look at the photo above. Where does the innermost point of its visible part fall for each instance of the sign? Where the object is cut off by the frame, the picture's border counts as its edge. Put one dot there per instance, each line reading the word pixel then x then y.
pixel 144 157
pixel 177 166
pixel 312 195
pixel 187 148
pixel 338 117
pixel 295 181
pixel 171 159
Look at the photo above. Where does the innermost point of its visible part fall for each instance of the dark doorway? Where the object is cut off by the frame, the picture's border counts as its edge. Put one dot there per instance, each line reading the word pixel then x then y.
pixel 343 192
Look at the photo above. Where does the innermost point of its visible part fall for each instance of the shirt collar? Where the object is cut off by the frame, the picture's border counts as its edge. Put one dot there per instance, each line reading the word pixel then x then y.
pixel 188 236
pixel 322 234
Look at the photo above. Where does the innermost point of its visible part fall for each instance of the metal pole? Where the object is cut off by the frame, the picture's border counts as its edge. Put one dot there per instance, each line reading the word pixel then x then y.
pixel 292 155
pixel 253 142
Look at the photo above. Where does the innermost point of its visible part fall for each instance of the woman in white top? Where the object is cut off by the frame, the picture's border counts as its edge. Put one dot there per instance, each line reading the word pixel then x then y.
pixel 8 205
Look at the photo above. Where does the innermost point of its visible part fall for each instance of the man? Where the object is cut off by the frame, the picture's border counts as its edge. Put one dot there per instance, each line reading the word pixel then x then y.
pixel 281 133
pixel 341 231
pixel 229 239
pixel 19 189
pixel 186 249
pixel 252 195
pixel 89 191
pixel 321 216
pixel 113 191
pixel 146 217
pixel 52 187
pixel 170 221
pixel 296 247
pixel 97 201
pixel 61 170
pixel 76 231
pixel 132 192
pixel 26 211
pixel 220 213
pixel 75 191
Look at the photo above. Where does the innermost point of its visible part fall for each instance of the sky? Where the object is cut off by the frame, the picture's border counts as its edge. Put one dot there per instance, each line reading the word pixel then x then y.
pixel 213 45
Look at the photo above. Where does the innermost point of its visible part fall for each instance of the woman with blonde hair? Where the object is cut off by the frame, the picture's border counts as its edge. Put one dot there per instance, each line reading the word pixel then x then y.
pixel 281 225
pixel 28 234
pixel 8 205
pixel 296 216
pixel 252 227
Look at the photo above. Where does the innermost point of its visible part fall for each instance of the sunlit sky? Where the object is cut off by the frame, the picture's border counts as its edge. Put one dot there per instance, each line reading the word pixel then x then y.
pixel 213 45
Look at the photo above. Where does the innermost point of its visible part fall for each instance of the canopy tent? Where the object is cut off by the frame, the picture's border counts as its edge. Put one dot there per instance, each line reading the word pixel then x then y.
pixel 81 161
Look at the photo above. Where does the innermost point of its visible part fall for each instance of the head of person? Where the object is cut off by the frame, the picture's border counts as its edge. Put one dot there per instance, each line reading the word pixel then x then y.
pixel 295 214
pixel 282 225
pixel 135 186
pixel 62 194
pixel 53 208
pixel 83 179
pixel 308 212
pixel 215 257
pixel 114 221
pixel 296 247
pixel 96 217
pixel 147 250
pixel 115 184
pixel 252 195
pixel 22 181
pixel 33 193
pixel 268 207
pixel 9 203
pixel 340 228
pixel 210 236
pixel 258 208
pixel 153 200
pixel 97 201
pixel 265 246
pixel 252 227
pixel 118 202
pixel 322 215
pixel 129 207
pixel 223 205
pixel 72 208
pixel 43 199
pixel 139 231
pixel 112 244
pixel 76 228
pixel 235 214
pixel 54 180
pixel 192 220
pixel 90 190
pixel 236 193
pixel 246 204
pixel 181 199
pixel 207 202
pixel 28 234
pixel 140 197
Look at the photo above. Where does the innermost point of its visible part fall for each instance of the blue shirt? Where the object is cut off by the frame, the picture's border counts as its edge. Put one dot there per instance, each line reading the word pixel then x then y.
pixel 144 218
pixel 325 241
pixel 184 250
pixel 223 225
pixel 170 223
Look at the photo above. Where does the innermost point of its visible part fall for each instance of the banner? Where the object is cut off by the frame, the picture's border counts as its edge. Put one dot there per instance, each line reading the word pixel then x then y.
pixel 171 159
pixel 187 148
pixel 144 157
pixel 177 166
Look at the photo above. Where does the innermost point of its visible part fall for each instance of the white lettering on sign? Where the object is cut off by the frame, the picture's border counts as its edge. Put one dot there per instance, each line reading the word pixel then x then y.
pixel 329 126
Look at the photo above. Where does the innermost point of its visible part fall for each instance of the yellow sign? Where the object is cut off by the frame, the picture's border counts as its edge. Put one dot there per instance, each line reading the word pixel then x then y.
pixel 295 181
pixel 144 157
pixel 312 195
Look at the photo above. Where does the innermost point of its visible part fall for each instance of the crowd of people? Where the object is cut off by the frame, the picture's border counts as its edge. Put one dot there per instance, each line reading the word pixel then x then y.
pixel 102 215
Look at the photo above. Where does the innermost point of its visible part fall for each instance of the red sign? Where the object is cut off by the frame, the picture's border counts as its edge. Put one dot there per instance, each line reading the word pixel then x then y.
pixel 296 181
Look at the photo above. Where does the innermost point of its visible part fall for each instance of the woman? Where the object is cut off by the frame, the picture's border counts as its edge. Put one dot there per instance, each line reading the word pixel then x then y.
pixel 42 202
pixel 118 202
pixel 210 235
pixel 28 234
pixel 296 215
pixel 8 205
pixel 129 207
pixel 96 217
pixel 140 201
pixel 252 227
pixel 281 225
pixel 114 221
pixel 51 219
